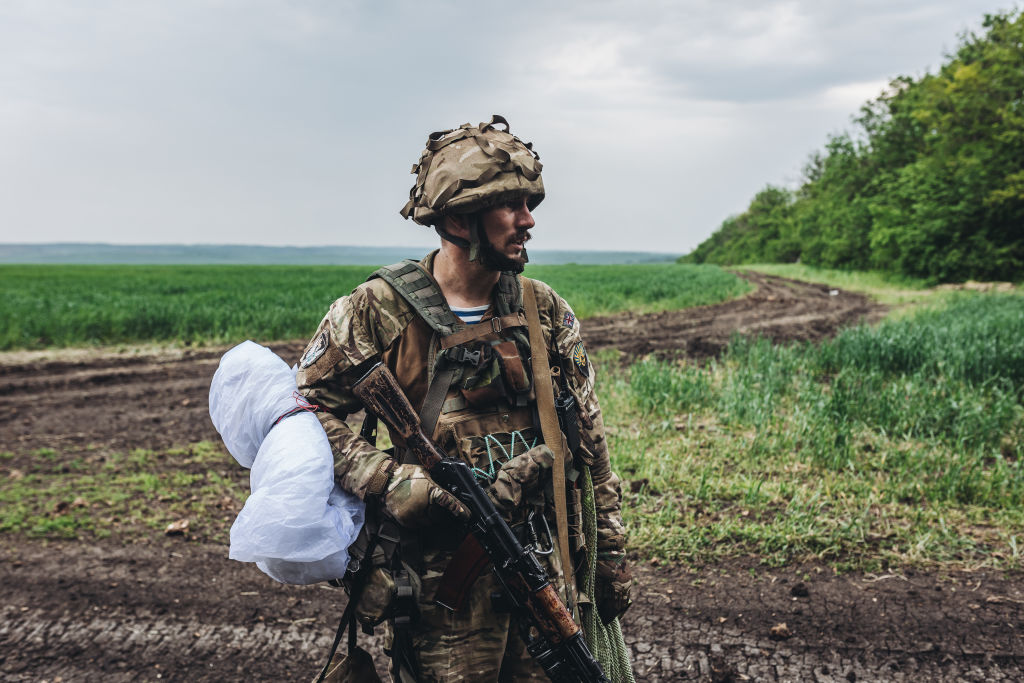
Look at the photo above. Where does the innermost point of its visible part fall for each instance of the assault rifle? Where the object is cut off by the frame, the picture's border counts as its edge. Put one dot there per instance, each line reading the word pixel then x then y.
pixel 551 636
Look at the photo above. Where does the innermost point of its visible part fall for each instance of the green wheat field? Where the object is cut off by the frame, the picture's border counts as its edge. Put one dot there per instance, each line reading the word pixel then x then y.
pixel 60 306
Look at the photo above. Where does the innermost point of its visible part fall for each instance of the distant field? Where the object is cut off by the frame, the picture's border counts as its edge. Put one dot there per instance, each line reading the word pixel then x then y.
pixel 59 306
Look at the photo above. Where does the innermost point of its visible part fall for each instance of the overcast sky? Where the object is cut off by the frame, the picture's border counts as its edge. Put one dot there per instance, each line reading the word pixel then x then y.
pixel 295 122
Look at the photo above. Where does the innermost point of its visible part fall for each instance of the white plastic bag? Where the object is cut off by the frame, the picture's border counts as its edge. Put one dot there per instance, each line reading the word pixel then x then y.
pixel 297 524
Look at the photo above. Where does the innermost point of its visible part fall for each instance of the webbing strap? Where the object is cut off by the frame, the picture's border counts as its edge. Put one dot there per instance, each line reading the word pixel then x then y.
pixel 417 286
pixel 483 328
pixel 549 422
pixel 436 393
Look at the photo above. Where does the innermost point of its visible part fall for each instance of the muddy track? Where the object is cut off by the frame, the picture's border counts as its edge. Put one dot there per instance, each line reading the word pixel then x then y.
pixel 183 612
pixel 172 609
pixel 779 309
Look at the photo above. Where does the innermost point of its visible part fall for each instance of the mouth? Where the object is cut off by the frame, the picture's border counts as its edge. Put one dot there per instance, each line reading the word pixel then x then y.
pixel 520 241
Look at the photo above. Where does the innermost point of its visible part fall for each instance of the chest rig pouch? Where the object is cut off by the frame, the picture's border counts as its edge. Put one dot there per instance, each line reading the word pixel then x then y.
pixel 492 370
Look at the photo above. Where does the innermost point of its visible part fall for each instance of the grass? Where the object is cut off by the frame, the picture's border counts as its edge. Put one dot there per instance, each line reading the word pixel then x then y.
pixel 602 290
pixel 90 495
pixel 60 306
pixel 899 444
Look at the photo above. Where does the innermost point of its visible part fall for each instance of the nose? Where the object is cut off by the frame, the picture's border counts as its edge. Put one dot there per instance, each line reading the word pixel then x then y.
pixel 524 218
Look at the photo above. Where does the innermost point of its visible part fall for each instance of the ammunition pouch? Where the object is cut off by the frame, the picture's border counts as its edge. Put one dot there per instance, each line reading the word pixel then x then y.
pixel 491 371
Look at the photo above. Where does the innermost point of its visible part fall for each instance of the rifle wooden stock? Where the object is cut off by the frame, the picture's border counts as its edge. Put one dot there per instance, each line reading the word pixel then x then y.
pixel 559 646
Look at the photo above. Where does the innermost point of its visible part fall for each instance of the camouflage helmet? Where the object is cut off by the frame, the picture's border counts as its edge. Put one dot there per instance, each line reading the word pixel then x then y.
pixel 471 168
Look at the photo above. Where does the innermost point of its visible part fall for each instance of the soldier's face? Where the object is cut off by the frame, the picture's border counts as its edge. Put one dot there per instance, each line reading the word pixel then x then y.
pixel 506 231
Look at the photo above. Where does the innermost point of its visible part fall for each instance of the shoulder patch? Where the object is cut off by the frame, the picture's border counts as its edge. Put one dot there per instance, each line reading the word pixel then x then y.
pixel 568 319
pixel 315 350
pixel 579 356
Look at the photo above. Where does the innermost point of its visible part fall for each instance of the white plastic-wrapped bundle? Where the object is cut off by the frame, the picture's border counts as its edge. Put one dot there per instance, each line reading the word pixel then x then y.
pixel 297 524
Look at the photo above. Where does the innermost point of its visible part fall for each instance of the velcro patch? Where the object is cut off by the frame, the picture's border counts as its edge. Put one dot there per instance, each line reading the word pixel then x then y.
pixel 315 350
pixel 569 319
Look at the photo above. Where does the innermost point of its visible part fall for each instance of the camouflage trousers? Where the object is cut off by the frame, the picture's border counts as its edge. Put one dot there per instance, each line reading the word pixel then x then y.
pixel 474 644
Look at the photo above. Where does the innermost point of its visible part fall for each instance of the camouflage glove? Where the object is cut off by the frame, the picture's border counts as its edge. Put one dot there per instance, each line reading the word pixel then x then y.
pixel 518 478
pixel 415 501
pixel 614 582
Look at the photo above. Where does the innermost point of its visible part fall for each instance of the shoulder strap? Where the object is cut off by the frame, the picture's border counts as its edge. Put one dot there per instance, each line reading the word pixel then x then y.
pixel 412 281
pixel 419 288
pixel 549 423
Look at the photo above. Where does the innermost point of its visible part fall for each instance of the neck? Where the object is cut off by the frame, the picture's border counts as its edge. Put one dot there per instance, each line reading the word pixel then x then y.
pixel 464 283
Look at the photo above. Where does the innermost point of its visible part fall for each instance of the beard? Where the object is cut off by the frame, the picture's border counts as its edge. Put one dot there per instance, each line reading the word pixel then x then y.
pixel 492 259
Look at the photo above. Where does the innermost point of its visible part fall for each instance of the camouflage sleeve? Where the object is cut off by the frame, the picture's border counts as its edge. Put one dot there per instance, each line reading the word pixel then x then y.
pixel 566 344
pixel 357 328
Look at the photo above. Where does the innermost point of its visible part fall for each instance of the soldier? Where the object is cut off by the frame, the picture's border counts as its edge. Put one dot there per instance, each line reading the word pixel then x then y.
pixel 452 330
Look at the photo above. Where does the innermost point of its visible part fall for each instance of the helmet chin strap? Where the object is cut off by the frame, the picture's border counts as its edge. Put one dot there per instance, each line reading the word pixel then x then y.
pixel 473 243
pixel 457 241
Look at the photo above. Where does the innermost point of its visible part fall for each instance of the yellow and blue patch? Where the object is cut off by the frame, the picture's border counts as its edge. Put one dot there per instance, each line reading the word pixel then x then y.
pixel 579 356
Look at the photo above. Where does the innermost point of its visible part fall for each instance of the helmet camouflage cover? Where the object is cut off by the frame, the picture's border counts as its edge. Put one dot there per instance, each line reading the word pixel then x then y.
pixel 471 168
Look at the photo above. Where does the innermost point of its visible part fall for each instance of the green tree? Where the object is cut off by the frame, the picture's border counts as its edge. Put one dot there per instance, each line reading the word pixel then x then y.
pixel 931 184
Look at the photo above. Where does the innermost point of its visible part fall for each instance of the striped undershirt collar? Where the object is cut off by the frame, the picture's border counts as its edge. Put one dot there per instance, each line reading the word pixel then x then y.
pixel 471 315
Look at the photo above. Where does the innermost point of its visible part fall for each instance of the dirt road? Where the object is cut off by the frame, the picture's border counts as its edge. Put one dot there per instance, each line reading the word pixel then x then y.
pixel 174 609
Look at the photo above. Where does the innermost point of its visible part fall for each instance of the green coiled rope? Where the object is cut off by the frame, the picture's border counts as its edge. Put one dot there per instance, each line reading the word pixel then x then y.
pixel 605 642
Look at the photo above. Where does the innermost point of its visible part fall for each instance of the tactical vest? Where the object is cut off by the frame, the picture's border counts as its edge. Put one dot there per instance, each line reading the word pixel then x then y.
pixel 484 361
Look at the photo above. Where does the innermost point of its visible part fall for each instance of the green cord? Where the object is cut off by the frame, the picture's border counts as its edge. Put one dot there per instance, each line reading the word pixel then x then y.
pixel 605 642
pixel 491 472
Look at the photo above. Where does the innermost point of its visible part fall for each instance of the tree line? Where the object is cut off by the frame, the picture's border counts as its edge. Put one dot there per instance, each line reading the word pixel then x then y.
pixel 930 184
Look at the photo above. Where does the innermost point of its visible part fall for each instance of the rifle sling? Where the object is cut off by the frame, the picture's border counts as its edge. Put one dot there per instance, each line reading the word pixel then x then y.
pixel 434 400
pixel 549 422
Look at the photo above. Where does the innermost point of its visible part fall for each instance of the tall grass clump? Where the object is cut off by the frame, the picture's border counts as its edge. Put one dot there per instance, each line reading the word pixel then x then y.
pixel 663 389
pixel 976 339
pixel 897 443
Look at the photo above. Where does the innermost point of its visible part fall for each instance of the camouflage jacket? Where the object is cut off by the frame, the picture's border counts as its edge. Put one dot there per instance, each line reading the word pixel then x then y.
pixel 375 322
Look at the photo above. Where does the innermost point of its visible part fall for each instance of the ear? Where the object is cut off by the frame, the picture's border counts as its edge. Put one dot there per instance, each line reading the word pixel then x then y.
pixel 457 224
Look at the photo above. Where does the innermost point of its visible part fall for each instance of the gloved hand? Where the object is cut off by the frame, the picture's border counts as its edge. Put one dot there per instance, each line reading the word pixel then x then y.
pixel 415 501
pixel 519 477
pixel 613 584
